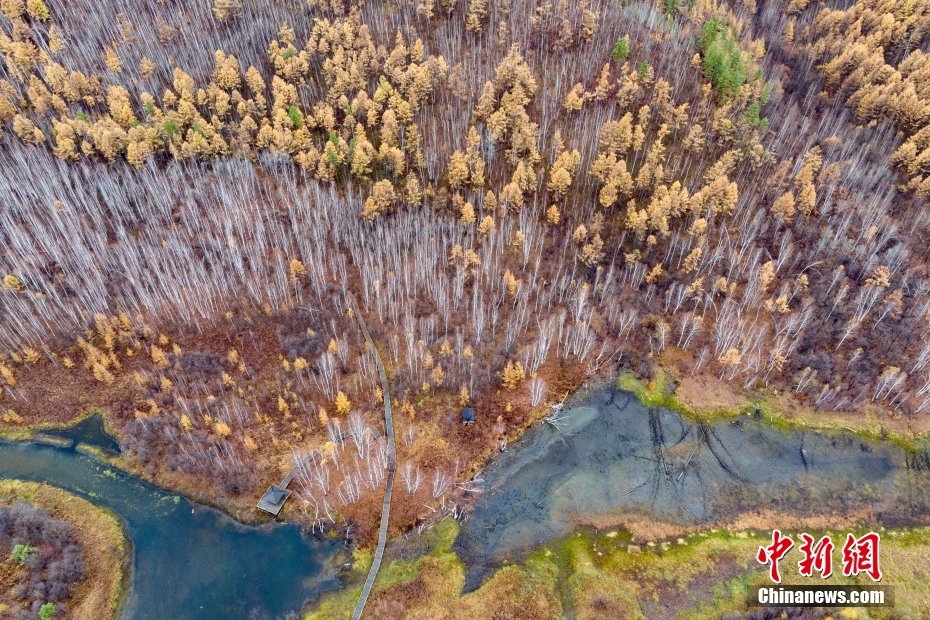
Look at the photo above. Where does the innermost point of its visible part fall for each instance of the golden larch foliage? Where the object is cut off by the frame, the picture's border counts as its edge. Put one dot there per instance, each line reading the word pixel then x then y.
pixel 512 375
pixel 343 406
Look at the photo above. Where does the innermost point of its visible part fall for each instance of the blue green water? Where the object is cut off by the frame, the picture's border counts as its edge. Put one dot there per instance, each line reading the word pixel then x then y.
pixel 90 431
pixel 190 562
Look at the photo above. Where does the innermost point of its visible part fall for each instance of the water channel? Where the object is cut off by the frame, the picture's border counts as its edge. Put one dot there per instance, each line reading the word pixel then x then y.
pixel 617 457
pixel 190 562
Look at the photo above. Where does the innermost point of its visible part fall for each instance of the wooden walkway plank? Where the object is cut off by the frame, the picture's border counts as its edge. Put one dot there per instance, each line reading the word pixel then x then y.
pixel 392 466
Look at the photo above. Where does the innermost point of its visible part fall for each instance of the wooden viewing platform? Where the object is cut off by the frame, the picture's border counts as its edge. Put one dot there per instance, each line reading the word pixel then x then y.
pixel 273 500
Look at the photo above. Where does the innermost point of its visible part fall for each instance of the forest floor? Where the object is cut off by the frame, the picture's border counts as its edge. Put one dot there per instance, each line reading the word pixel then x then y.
pixel 106 550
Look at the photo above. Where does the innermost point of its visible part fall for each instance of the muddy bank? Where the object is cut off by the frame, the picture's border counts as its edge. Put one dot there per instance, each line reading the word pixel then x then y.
pixel 618 457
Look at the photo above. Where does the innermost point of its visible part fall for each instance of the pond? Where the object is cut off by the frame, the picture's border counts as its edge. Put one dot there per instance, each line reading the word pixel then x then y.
pixel 617 457
pixel 190 562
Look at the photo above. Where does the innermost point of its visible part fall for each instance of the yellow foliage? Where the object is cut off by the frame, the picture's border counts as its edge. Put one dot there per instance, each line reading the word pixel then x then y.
pixel 101 373
pixel 30 355
pixel 295 271
pixel 112 60
pixel 511 282
pixel 468 214
pixel 147 67
pixel 552 215
pixel 692 260
pixel 382 196
pixel 512 375
pixel 880 277
pixel 11 417
pixel 581 232
pixel 159 356
pixel 575 99
pixel 732 357
pixel 7 375
pixel 767 274
pixel 12 9
pixel 654 273
pixel 226 8
pixel 593 252
pixel 343 406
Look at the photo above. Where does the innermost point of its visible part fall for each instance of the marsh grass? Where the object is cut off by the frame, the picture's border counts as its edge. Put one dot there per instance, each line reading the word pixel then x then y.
pixel 592 574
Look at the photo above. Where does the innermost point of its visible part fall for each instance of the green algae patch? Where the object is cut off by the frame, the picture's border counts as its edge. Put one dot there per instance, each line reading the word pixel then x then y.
pixel 439 539
pixel 651 393
pixel 362 560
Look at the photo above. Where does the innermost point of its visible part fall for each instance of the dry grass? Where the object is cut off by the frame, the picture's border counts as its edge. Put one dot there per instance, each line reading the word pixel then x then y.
pixel 707 393
pixel 105 547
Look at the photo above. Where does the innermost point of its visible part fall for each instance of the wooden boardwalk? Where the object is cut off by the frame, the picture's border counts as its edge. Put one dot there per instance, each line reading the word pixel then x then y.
pixel 392 466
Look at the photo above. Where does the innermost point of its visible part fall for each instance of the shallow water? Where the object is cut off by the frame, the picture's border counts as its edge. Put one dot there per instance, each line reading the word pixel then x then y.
pixel 91 432
pixel 190 562
pixel 617 456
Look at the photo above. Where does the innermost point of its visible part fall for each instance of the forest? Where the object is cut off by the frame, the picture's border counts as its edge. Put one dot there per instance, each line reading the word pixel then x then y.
pixel 192 193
